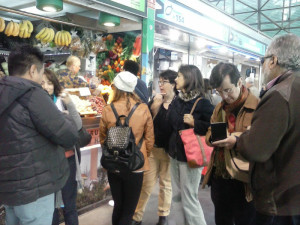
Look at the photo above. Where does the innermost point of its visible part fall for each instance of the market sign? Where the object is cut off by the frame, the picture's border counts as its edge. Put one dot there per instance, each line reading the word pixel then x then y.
pixel 135 6
pixel 242 41
pixel 177 14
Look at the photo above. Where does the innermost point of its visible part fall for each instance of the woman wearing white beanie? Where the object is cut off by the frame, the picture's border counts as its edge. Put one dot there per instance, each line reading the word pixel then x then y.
pixel 126 186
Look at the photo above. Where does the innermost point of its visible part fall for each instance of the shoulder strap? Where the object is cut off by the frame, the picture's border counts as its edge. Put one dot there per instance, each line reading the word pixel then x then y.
pixel 130 114
pixel 114 110
pixel 195 104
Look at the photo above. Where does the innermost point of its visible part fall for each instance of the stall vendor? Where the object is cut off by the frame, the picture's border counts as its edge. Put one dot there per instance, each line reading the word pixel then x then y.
pixel 68 78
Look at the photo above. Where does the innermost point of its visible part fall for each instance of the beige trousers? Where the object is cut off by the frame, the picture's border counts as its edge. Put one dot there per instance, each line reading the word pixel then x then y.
pixel 159 162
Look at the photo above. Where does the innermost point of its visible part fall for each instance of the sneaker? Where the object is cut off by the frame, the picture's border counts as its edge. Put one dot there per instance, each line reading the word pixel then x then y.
pixel 162 220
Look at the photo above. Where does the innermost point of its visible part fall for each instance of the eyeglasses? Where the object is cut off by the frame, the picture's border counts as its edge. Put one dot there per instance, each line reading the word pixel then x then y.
pixel 163 82
pixel 262 59
pixel 227 91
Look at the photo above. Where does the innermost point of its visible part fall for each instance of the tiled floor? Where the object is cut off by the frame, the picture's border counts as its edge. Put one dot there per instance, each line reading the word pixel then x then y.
pixel 102 215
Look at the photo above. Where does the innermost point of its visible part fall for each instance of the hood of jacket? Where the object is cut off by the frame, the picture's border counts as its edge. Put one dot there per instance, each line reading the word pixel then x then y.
pixel 12 88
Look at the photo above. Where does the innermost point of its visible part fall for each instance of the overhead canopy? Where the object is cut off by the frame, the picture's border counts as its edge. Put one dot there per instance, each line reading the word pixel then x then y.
pixel 272 17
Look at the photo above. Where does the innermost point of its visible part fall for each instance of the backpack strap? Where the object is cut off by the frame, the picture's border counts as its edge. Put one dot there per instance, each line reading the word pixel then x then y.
pixel 130 114
pixel 118 122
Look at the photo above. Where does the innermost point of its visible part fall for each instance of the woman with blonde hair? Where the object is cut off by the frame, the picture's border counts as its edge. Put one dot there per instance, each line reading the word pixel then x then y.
pixel 125 185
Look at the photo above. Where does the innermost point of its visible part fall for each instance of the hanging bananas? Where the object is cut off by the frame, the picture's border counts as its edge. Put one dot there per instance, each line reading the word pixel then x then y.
pixel 26 29
pixel 12 29
pixel 2 24
pixel 46 35
pixel 63 38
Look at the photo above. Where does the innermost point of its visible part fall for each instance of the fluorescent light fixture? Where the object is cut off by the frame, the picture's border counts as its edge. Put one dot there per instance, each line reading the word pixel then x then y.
pixel 49 5
pixel 108 20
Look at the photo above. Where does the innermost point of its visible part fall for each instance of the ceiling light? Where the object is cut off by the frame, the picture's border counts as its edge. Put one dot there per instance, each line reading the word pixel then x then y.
pixel 49 5
pixel 108 20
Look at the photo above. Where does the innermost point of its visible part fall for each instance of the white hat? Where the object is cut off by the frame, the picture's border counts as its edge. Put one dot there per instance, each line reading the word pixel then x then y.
pixel 125 81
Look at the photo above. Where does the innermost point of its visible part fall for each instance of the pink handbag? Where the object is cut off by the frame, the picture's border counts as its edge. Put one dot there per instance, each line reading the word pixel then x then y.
pixel 196 150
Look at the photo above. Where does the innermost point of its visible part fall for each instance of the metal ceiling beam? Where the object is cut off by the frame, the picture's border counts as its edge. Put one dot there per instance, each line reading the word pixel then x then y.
pixel 249 16
pixel 259 14
pixel 281 28
pixel 291 28
pixel 264 10
pixel 247 5
pixel 264 4
pixel 276 21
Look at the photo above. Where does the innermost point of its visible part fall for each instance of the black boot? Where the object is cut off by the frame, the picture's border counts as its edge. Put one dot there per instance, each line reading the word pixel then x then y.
pixel 133 222
pixel 162 220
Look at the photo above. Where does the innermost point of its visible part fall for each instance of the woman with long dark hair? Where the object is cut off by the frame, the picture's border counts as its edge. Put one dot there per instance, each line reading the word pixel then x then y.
pixel 186 180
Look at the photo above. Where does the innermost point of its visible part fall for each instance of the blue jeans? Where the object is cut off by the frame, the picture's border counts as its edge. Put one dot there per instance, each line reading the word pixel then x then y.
pixel 69 195
pixel 35 213
pixel 277 220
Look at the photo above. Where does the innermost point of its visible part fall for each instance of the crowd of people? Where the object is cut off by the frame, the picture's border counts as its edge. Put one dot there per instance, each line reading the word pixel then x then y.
pixel 40 156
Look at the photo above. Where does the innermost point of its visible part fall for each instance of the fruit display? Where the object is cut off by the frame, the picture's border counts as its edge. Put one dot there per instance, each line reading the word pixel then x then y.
pixel 26 29
pixel 82 106
pixel 63 38
pixel 46 35
pixel 12 29
pixel 97 103
pixel 2 24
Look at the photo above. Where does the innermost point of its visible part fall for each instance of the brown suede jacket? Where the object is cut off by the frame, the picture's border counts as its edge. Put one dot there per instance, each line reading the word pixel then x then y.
pixel 243 120
pixel 141 123
pixel 272 145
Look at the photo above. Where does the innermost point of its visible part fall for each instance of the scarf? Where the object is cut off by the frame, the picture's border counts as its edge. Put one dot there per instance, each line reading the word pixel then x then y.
pixel 189 95
pixel 54 98
pixel 231 110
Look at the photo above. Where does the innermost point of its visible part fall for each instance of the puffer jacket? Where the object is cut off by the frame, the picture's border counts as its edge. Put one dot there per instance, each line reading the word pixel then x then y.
pixel 33 133
pixel 141 123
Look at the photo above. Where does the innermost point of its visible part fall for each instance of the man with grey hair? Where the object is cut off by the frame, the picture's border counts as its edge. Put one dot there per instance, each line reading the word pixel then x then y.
pixel 249 83
pixel 272 144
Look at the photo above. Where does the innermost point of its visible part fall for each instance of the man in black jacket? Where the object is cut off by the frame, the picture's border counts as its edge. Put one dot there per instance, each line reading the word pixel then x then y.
pixel 141 89
pixel 33 133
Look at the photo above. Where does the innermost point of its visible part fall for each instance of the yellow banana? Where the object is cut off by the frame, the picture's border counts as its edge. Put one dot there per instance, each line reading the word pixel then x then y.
pixel 2 26
pixel 16 30
pixel 69 38
pixel 9 28
pixel 30 26
pixel 21 33
pixel 22 26
pixel 63 39
pixel 52 35
pixel 56 37
pixel 38 36
pixel 45 38
pixel 44 34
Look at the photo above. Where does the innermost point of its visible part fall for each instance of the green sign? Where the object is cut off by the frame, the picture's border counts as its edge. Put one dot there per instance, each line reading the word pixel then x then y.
pixel 247 43
pixel 134 4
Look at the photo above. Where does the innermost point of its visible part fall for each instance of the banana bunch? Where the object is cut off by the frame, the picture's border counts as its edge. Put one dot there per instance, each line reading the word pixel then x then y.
pixel 26 29
pixel 2 24
pixel 46 35
pixel 12 29
pixel 63 38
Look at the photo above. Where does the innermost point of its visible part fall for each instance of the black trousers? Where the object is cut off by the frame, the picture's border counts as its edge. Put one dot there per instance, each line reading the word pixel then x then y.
pixel 69 195
pixel 276 220
pixel 231 207
pixel 125 190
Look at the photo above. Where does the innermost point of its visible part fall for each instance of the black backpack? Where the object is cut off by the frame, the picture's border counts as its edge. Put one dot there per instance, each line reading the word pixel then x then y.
pixel 119 151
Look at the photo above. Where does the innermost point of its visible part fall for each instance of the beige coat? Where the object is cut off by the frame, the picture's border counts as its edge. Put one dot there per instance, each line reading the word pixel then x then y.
pixel 243 120
pixel 141 123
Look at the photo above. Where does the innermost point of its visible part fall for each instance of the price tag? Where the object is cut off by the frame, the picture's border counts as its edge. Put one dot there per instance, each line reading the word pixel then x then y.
pixel 85 91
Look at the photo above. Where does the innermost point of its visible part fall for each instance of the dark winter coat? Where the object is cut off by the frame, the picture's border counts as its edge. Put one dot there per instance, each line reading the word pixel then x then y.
pixel 177 109
pixel 272 145
pixel 33 133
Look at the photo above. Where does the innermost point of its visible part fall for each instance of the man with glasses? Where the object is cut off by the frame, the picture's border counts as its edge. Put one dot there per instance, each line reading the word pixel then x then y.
pixel 272 144
pixel 68 78
pixel 232 203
